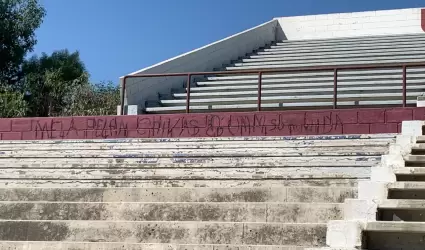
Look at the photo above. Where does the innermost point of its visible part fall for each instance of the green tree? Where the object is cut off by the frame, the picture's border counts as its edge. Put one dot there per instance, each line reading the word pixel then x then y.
pixel 50 80
pixel 18 21
pixel 46 85
pixel 94 99
pixel 12 104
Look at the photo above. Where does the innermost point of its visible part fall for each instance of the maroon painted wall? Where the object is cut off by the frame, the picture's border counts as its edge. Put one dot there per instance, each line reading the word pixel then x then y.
pixel 352 121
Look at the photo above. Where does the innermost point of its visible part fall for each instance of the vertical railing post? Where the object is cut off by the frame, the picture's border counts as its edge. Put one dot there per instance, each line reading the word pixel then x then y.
pixel 188 93
pixel 335 98
pixel 123 94
pixel 260 75
pixel 404 85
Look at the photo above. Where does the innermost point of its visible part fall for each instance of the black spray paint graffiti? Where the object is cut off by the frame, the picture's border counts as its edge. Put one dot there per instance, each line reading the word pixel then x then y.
pixel 236 125
pixel 93 127
pixel 164 126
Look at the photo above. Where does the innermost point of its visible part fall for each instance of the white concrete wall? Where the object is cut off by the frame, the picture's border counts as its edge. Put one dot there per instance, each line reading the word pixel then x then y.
pixel 385 22
pixel 203 59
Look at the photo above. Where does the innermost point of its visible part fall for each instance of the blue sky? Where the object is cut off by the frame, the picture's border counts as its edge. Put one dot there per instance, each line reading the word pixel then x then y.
pixel 117 37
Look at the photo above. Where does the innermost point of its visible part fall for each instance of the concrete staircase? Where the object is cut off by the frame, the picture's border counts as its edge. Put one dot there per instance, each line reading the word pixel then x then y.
pixel 215 193
pixel 389 213
pixel 312 90
pixel 400 217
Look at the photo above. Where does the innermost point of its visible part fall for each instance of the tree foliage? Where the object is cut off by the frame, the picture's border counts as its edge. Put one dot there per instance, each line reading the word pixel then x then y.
pixel 18 21
pixel 45 85
pixel 94 99
pixel 12 104
pixel 50 79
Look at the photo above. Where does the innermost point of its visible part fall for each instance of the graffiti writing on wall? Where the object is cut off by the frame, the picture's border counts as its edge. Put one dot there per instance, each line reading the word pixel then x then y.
pixel 207 125
pixel 102 127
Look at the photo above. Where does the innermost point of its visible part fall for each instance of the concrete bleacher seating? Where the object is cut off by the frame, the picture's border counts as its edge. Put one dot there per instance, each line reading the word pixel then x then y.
pixel 356 88
pixel 190 193
pixel 319 190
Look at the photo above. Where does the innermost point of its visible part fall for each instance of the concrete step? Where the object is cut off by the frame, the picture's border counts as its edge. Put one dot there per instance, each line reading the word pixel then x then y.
pixel 378 55
pixel 418 148
pixel 199 139
pixel 394 235
pixel 295 62
pixel 22 183
pixel 420 139
pixel 188 153
pixel 322 194
pixel 395 79
pixel 354 74
pixel 402 210
pixel 295 98
pixel 198 145
pixel 407 190
pixel 386 38
pixel 181 108
pixel 410 174
pixel 201 162
pixel 414 160
pixel 402 204
pixel 308 50
pixel 171 211
pixel 353 45
pixel 306 86
pixel 166 232
pixel 340 49
pixel 325 90
pixel 333 248
pixel 333 54
pixel 187 174
pixel 393 226
pixel 302 63
pixel 345 58
pixel 54 245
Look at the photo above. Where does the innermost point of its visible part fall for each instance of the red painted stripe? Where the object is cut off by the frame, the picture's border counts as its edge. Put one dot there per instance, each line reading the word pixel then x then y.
pixel 267 123
pixel 423 19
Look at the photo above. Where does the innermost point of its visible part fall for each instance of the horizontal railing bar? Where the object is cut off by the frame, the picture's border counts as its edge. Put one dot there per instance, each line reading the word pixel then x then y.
pixel 288 69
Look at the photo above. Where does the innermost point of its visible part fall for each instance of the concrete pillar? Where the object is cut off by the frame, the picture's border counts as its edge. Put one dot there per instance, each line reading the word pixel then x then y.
pixel 129 110
pixel 345 234
pixel 375 191
pixel 363 210
pixel 413 128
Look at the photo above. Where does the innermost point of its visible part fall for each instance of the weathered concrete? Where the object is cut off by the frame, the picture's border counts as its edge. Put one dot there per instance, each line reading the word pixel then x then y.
pixel 207 144
pixel 180 194
pixel 390 208
pixel 165 232
pixel 357 209
pixel 400 227
pixel 265 183
pixel 309 138
pixel 193 162
pixel 200 194
pixel 173 211
pixel 415 159
pixel 188 174
pixel 344 234
pixel 413 128
pixel 137 246
pixel 184 153
pixel 394 240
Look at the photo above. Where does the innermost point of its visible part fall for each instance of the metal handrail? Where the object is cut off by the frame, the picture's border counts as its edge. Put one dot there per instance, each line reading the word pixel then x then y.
pixel 260 73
